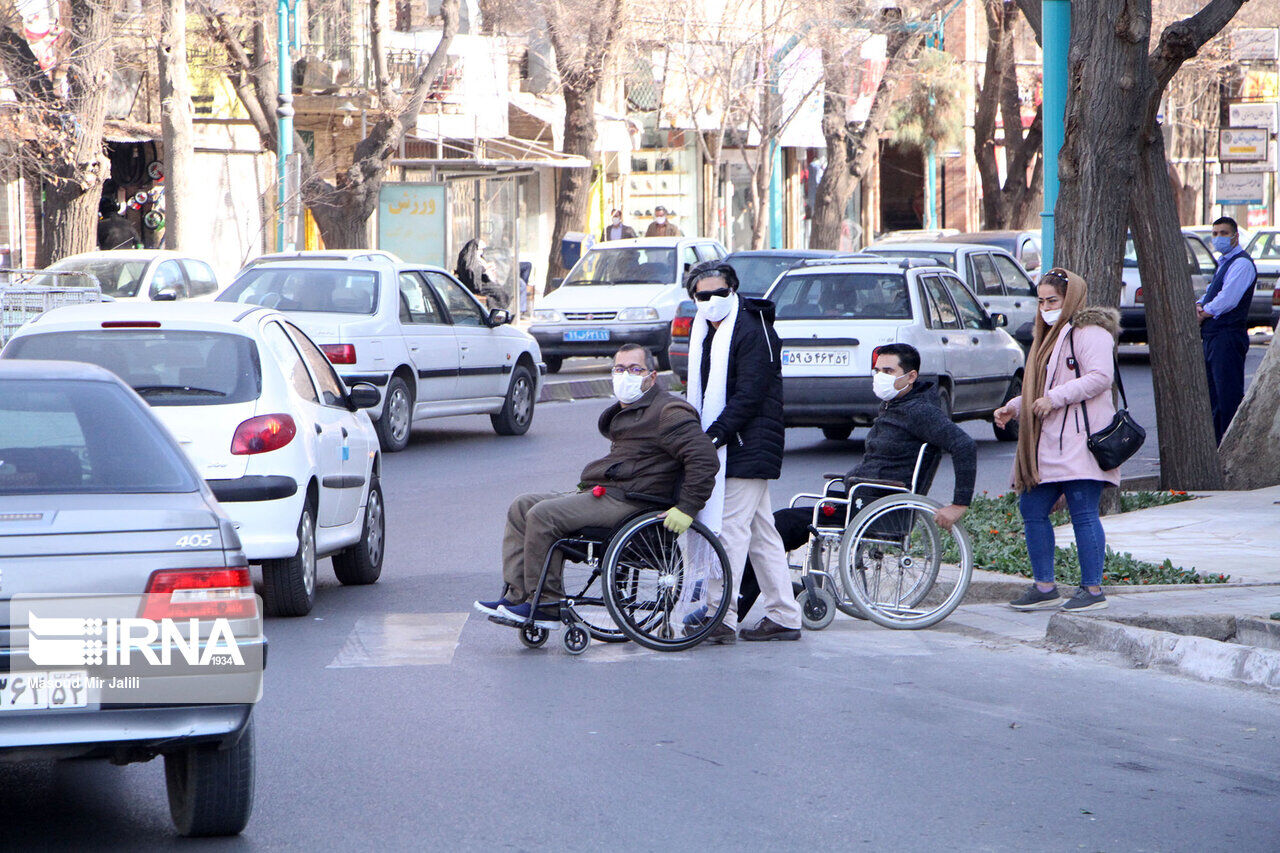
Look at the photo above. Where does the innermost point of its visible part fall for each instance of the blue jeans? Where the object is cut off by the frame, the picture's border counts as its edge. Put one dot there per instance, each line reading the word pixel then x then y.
pixel 1083 498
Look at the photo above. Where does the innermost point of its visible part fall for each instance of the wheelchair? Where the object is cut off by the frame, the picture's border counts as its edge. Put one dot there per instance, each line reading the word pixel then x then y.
pixel 894 565
pixel 637 581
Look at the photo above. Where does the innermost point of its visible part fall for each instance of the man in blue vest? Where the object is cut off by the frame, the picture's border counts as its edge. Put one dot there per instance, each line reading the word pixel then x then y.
pixel 1224 322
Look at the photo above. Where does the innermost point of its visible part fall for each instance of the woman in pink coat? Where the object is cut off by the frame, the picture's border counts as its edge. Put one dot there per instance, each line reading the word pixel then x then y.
pixel 1070 371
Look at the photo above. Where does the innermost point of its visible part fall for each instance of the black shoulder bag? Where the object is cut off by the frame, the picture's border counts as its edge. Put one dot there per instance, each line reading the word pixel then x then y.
pixel 1115 443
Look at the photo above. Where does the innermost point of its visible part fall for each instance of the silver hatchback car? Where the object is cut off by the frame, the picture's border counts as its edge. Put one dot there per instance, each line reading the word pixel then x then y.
pixel 128 624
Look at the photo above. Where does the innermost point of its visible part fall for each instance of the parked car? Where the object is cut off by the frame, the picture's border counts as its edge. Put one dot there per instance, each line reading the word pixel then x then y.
pixel 97 500
pixel 916 235
pixel 138 275
pixel 1000 282
pixel 411 330
pixel 265 419
pixel 1205 233
pixel 1024 246
pixel 1264 248
pixel 833 313
pixel 757 270
pixel 1133 312
pixel 620 292
pixel 325 255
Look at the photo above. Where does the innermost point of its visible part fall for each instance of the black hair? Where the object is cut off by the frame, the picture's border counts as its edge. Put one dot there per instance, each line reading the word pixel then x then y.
pixel 710 269
pixel 649 360
pixel 1227 220
pixel 908 356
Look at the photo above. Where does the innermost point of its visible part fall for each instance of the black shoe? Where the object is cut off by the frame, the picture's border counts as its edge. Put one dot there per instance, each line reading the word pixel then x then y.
pixel 767 629
pixel 722 635
pixel 1085 600
pixel 1035 599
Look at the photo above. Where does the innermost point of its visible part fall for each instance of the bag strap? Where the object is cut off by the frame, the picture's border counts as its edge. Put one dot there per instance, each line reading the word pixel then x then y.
pixel 1119 382
pixel 1075 363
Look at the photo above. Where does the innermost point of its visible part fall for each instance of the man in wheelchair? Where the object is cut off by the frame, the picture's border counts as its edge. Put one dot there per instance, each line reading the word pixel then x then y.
pixel 656 447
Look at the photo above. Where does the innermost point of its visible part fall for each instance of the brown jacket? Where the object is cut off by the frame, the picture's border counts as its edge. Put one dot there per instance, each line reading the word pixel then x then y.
pixel 666 229
pixel 656 442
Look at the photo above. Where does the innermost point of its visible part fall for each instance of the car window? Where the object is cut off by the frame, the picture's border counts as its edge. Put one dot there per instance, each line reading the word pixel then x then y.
pixel 688 260
pixel 630 265
pixel 985 279
pixel 115 278
pixel 971 313
pixel 330 385
pixel 943 313
pixel 1265 246
pixel 168 276
pixel 1031 254
pixel 462 308
pixel 201 278
pixel 707 252
pixel 417 302
pixel 286 355
pixel 166 367
pixel 83 436
pixel 946 259
pixel 319 289
pixel 757 272
pixel 1201 261
pixel 1016 280
pixel 842 296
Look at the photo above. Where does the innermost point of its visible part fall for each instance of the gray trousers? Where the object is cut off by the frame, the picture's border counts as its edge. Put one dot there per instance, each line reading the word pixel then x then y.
pixel 535 522
pixel 747 529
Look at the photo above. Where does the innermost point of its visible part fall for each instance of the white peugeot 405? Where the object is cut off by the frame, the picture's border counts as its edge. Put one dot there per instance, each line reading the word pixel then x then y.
pixel 264 417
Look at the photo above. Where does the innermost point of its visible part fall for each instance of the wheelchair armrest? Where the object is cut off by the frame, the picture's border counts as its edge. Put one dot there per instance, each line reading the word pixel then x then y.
pixel 837 476
pixel 888 484
pixel 641 498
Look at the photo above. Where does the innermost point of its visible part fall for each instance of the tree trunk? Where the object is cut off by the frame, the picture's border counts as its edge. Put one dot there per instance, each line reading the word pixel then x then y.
pixel 1250 450
pixel 760 180
pixel 175 124
pixel 1105 106
pixel 574 191
pixel 998 63
pixel 832 197
pixel 68 221
pixel 1188 457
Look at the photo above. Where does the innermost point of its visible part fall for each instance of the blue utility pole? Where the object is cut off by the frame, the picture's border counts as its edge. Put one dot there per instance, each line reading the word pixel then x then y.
pixel 1056 36
pixel 284 120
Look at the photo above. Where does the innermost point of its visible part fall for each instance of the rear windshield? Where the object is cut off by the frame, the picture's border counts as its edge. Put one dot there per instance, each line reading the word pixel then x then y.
pixel 168 368
pixel 625 266
pixel 946 259
pixel 81 436
pixel 116 278
pixel 757 272
pixel 842 296
pixel 333 291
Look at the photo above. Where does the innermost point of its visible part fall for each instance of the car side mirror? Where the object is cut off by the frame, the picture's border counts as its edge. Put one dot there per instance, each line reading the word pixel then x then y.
pixel 499 317
pixel 169 294
pixel 362 395
pixel 999 321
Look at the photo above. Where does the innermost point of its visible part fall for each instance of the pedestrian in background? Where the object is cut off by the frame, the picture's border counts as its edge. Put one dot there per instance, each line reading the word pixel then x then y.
pixel 1070 372
pixel 471 269
pixel 1224 323
pixel 615 230
pixel 660 227
pixel 735 383
pixel 114 230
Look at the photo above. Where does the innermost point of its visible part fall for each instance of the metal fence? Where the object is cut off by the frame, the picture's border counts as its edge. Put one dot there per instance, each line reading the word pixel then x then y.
pixel 26 294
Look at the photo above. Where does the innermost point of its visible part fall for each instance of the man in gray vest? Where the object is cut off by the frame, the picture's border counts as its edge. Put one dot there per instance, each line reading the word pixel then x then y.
pixel 1224 323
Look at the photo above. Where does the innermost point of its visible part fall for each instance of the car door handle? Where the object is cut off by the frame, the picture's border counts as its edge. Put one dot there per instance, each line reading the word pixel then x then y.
pixel 319 429
pixel 344 429
pixel 945 339
pixel 1017 305
pixel 975 340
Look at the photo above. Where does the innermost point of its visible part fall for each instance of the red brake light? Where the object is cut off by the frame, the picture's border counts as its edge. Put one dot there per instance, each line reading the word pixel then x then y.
pixel 875 353
pixel 339 353
pixel 1275 295
pixel 1137 296
pixel 200 594
pixel 131 324
pixel 263 434
pixel 681 327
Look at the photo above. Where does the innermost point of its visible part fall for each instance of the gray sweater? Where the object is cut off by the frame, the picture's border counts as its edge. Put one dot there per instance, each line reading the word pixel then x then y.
pixel 905 423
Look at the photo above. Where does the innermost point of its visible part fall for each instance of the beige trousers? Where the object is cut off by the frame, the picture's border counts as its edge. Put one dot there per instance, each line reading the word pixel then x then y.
pixel 747 529
pixel 535 522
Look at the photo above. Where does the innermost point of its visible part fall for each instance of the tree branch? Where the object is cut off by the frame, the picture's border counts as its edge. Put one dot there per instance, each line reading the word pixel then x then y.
pixel 1183 39
pixel 1031 10
pixel 22 69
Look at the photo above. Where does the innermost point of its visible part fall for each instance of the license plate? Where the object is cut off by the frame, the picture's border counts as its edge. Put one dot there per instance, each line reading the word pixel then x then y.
pixel 816 357
pixel 43 691
pixel 587 335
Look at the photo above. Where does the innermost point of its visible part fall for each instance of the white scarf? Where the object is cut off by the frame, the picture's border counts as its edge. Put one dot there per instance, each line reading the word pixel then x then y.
pixel 710 402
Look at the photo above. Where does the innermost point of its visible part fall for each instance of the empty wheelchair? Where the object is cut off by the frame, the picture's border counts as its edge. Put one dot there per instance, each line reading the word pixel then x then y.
pixel 637 581
pixel 875 552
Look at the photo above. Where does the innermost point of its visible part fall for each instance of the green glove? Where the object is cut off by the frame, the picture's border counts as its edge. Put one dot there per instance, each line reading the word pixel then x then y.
pixel 676 521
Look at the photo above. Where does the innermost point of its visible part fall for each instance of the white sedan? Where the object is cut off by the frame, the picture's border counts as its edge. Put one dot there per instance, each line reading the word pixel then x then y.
pixel 268 423
pixel 139 275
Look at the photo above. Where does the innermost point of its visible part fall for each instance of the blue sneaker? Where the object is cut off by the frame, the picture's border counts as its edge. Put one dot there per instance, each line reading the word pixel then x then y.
pixel 697 617
pixel 490 608
pixel 548 615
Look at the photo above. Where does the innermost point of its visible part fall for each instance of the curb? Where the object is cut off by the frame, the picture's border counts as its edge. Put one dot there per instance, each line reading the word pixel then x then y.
pixel 1198 657
pixel 587 389
pixel 985 591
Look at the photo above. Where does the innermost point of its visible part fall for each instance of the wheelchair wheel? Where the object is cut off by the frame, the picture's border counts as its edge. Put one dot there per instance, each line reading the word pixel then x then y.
pixel 821 552
pixel 533 636
pixel 817 611
pixel 899 567
pixel 583 587
pixel 576 639
pixel 646 570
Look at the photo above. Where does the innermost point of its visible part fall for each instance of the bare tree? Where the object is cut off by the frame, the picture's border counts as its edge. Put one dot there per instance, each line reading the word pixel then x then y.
pixel 60 120
pixel 175 123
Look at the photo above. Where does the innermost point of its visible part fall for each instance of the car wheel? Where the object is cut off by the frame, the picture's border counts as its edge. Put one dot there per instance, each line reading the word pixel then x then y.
pixel 837 433
pixel 362 562
pixel 289 585
pixel 397 417
pixel 1010 432
pixel 944 397
pixel 211 789
pixel 664 359
pixel 517 411
pixel 553 363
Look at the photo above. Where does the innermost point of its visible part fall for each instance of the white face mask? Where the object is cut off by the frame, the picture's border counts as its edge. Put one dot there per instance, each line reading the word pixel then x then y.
pixel 628 388
pixel 617 220
pixel 717 308
pixel 1051 316
pixel 882 385
pixel 661 220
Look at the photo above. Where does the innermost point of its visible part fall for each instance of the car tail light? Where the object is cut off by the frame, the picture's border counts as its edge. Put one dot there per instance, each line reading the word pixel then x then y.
pixel 131 324
pixel 200 594
pixel 340 353
pixel 263 434
pixel 875 353
pixel 1275 295
pixel 1138 297
pixel 681 327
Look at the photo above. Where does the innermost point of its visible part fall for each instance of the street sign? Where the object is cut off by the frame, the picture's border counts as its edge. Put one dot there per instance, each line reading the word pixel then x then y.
pixel 1267 165
pixel 1255 43
pixel 1238 188
pixel 1253 115
pixel 1242 144
pixel 411 222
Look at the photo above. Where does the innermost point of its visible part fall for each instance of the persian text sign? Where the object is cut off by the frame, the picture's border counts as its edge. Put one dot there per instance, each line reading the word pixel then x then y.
pixel 411 222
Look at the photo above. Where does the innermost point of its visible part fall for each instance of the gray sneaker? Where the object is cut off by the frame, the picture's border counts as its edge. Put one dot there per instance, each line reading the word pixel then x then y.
pixel 1034 599
pixel 1085 600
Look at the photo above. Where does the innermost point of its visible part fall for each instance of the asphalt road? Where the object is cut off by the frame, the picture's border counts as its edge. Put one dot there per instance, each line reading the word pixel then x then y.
pixel 396 719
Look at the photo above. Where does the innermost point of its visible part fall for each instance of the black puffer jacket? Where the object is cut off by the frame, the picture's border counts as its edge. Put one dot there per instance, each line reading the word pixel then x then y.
pixel 751 424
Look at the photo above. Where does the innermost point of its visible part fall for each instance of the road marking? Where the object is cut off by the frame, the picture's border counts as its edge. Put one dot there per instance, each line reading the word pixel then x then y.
pixel 402 639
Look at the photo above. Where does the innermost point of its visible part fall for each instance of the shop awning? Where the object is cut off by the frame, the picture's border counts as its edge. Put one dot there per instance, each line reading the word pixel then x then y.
pixel 504 153
pixel 119 130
